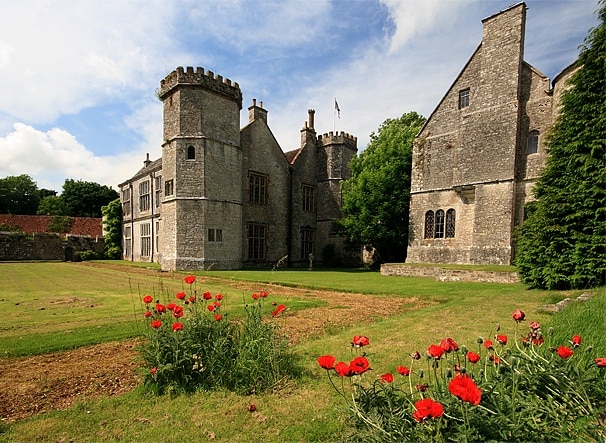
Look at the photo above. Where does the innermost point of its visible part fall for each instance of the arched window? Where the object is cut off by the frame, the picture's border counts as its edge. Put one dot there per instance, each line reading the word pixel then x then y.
pixel 439 224
pixel 429 224
pixel 532 144
pixel 191 153
pixel 450 223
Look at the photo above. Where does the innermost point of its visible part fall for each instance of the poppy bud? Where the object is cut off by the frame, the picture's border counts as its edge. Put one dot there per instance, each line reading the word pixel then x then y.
pixel 498 327
pixel 550 331
pixel 464 350
pixel 420 373
pixel 449 373
pixel 480 340
pixel 416 355
pixel 435 364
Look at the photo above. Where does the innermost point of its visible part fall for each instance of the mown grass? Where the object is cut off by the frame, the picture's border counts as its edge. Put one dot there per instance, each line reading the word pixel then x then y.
pixel 308 409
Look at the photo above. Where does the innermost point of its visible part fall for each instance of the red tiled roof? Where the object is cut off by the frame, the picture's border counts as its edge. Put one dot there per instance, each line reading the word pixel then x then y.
pixel 39 223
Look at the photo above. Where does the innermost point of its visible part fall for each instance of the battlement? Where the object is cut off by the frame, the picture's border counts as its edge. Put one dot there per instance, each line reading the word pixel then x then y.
pixel 200 77
pixel 344 138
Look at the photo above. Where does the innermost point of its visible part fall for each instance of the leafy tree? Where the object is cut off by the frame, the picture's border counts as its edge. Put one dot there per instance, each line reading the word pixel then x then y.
pixel 112 223
pixel 85 199
pixel 46 193
pixel 19 195
pixel 562 244
pixel 52 205
pixel 376 197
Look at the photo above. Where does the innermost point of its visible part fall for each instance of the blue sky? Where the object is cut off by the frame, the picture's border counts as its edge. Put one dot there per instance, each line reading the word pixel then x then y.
pixel 78 77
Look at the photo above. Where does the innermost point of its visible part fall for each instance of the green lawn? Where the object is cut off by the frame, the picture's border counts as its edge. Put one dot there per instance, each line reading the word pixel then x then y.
pixel 51 306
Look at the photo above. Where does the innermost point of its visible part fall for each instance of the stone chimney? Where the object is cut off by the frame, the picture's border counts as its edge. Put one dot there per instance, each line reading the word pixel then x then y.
pixel 257 112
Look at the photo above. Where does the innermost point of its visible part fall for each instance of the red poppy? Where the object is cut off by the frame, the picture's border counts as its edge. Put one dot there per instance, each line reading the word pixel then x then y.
pixel 189 279
pixel 360 341
pixel 518 315
pixel 178 312
pixel 495 359
pixel 327 362
pixel 538 341
pixel 160 308
pixel 473 357
pixel 403 370
pixel 422 387
pixel 342 369
pixel 192 299
pixel 207 295
pixel 216 304
pixel 564 352
pixel 263 294
pixel 148 299
pixel 416 355
pixel 218 297
pixel 255 296
pixel 600 362
pixel 171 306
pixel 180 295
pixel 156 324
pixel 211 308
pixel 280 309
pixel 502 339
pixel 147 314
pixel 435 351
pixel 177 326
pixel 218 317
pixel 576 341
pixel 534 325
pixel 449 345
pixel 427 408
pixel 387 378
pixel 153 370
pixel 251 408
pixel 359 365
pixel 488 344
pixel 464 388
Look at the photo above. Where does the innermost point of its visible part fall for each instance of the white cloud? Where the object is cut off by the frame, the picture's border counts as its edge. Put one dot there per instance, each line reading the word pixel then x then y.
pixel 53 156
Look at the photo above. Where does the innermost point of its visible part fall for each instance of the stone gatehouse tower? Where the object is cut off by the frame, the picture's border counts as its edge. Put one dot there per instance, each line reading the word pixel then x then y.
pixel 222 197
pixel 481 150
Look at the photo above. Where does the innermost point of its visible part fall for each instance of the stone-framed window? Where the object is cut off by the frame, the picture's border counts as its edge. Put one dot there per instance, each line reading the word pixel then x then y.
pixel 257 241
pixel 169 188
pixel 144 196
pixel 308 202
pixel 191 153
pixel 215 235
pixel 532 142
pixel 257 188
pixel 158 190
pixel 440 224
pixel 439 231
pixel 157 236
pixel 463 98
pixel 307 243
pixel 128 241
pixel 126 201
pixel 145 231
pixel 429 224
pixel 450 223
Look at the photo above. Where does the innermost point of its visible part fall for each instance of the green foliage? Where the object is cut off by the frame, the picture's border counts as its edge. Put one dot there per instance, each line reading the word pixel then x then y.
pixel 52 205
pixel 85 199
pixel 18 195
pixel 60 224
pixel 5 227
pixel 112 223
pixel 562 244
pixel 376 197
pixel 191 345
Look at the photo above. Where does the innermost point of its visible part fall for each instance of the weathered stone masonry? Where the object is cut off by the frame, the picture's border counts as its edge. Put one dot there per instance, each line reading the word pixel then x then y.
pixel 225 198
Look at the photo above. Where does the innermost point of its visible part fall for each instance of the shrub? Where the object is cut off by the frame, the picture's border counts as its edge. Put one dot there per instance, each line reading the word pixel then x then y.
pixel 521 388
pixel 191 344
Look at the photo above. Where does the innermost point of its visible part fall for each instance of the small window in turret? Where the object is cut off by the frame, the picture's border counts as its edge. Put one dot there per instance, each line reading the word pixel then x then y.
pixel 463 98
pixel 191 153
pixel 532 145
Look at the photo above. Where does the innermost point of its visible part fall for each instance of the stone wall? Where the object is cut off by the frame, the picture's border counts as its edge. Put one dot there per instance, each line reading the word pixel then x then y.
pixel 18 246
pixel 442 274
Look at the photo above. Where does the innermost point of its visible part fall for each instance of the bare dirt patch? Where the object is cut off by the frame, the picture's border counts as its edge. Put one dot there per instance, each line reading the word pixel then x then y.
pixel 56 381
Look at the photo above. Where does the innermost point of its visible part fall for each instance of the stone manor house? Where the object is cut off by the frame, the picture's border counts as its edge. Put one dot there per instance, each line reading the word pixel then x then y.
pixel 222 197
pixel 226 197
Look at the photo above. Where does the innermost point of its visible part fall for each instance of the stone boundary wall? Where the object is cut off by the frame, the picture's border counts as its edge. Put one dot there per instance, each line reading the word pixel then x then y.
pixel 17 246
pixel 442 274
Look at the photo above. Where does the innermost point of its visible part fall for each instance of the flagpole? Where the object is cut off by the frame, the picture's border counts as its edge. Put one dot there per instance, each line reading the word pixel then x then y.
pixel 334 112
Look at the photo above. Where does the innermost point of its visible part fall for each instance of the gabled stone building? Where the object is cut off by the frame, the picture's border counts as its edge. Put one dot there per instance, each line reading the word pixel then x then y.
pixel 480 152
pixel 226 197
